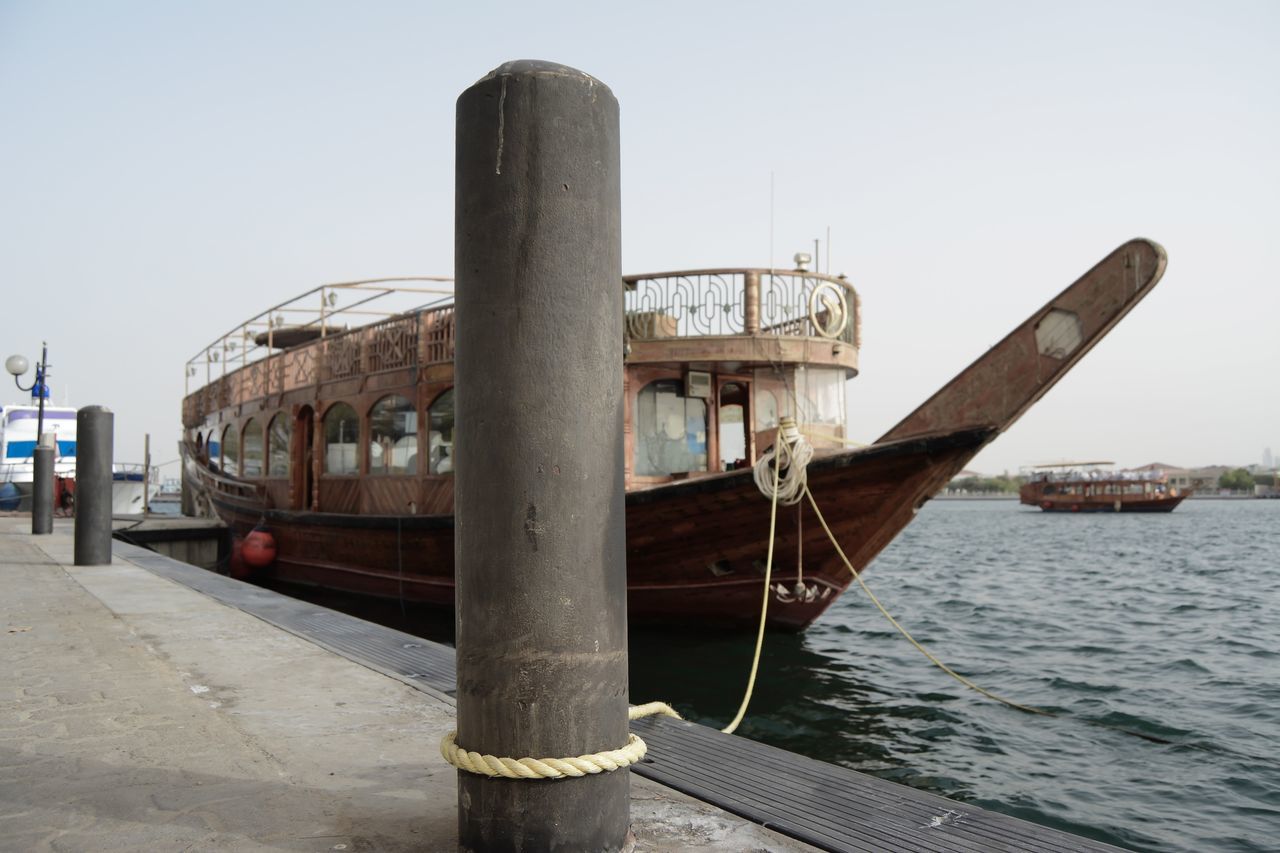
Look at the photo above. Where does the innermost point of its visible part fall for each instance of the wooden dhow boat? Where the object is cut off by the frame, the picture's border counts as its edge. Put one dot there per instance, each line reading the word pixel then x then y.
pixel 1091 487
pixel 327 449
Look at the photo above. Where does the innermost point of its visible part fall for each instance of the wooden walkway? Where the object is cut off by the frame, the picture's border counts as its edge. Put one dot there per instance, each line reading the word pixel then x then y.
pixel 829 807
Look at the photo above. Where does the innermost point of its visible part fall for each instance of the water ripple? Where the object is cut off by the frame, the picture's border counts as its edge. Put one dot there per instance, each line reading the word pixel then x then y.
pixel 1154 637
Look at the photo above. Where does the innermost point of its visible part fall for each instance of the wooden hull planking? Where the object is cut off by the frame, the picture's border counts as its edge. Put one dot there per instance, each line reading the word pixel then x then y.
pixel 696 549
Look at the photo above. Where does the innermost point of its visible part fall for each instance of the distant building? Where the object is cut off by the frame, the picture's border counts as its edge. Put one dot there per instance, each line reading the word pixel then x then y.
pixel 1179 478
pixel 1205 480
pixel 1268 461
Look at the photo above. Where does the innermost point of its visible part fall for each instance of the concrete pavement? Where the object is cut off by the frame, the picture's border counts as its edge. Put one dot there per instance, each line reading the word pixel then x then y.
pixel 137 714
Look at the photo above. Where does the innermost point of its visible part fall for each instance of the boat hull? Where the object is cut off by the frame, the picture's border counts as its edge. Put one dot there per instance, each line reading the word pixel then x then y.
pixel 696 550
pixel 1161 504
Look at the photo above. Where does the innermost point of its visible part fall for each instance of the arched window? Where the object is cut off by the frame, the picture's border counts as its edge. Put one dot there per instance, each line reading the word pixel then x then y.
pixel 670 430
pixel 231 450
pixel 253 448
pixel 200 446
pixel 733 432
pixel 341 439
pixel 279 435
pixel 393 426
pixel 213 449
pixel 440 435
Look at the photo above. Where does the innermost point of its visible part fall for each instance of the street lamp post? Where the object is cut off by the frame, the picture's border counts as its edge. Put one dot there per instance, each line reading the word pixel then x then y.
pixel 41 456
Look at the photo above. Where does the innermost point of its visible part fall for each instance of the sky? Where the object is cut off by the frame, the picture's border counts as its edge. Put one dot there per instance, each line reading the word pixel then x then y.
pixel 168 170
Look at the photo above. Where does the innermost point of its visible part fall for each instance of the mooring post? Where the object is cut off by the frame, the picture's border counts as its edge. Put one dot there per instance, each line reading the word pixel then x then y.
pixel 42 488
pixel 95 427
pixel 539 525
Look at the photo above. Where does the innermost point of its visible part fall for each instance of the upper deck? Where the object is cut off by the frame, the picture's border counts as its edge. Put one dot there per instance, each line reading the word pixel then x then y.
pixel 743 317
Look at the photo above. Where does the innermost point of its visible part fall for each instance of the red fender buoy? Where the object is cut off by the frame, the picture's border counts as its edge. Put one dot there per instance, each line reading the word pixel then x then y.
pixel 236 566
pixel 259 549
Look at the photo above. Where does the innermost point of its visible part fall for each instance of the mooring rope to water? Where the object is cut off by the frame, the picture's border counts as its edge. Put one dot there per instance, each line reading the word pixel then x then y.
pixel 791 453
pixel 894 622
pixel 790 444
pixel 1018 706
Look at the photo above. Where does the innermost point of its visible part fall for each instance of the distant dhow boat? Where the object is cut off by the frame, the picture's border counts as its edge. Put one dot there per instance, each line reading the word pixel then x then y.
pixel 328 450
pixel 1092 487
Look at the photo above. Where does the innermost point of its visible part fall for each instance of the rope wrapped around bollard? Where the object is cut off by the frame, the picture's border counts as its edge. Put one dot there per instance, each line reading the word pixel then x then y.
pixel 555 768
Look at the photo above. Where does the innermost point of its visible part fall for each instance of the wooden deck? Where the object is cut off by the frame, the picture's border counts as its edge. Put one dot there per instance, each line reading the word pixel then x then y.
pixel 829 807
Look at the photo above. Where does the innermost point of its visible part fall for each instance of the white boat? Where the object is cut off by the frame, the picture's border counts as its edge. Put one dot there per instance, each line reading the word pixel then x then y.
pixel 18 425
pixel 128 480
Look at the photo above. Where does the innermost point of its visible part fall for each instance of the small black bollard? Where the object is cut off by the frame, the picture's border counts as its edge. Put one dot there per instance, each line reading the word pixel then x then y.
pixel 95 428
pixel 42 490
pixel 539 507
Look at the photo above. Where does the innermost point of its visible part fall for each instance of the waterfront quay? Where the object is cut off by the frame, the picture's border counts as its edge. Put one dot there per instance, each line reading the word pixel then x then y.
pixel 139 714
pixel 152 705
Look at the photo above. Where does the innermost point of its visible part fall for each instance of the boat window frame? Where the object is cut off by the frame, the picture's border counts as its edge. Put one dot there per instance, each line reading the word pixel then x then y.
pixel 410 405
pixel 708 406
pixel 244 448
pixel 287 419
pixel 450 446
pixel 232 429
pixel 213 448
pixel 747 426
pixel 324 440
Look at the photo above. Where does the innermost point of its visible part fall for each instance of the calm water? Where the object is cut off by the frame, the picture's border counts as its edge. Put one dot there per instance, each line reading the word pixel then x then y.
pixel 1163 625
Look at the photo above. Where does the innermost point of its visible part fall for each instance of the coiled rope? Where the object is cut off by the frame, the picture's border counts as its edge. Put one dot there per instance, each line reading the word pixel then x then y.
pixel 556 768
pixel 790 452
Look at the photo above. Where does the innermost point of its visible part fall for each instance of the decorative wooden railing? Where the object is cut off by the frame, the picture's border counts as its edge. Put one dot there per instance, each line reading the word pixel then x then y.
pixel 251 360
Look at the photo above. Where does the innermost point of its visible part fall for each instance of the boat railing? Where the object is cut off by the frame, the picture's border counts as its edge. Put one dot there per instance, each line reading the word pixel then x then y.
pixel 1084 475
pixel 357 328
pixel 730 302
pixel 329 310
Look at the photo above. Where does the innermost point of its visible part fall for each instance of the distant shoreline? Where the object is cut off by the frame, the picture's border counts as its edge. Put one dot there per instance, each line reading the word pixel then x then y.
pixel 1012 496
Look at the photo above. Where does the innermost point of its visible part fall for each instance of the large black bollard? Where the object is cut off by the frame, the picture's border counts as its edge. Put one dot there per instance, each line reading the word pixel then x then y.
pixel 94 441
pixel 42 490
pixel 539 524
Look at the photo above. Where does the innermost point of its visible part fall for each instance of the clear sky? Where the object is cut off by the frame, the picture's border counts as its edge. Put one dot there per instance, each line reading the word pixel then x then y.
pixel 170 169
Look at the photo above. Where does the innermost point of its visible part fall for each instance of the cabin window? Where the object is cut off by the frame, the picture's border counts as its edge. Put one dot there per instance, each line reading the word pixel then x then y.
pixel 253 448
pixel 733 432
pixel 279 435
pixel 393 424
pixel 766 410
pixel 670 430
pixel 231 450
pixel 341 440
pixel 440 435
pixel 213 449
pixel 820 396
